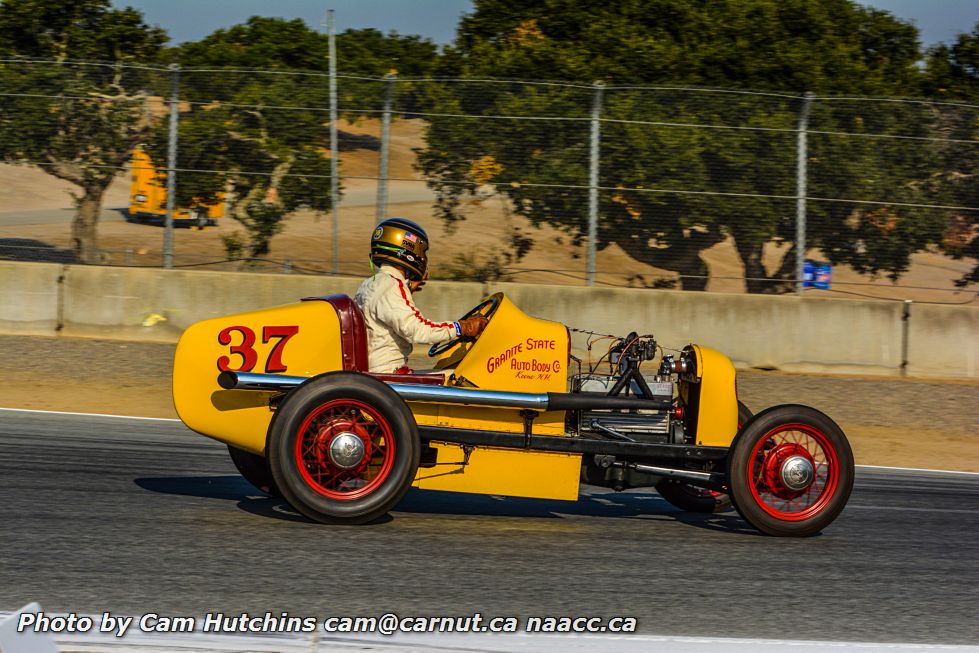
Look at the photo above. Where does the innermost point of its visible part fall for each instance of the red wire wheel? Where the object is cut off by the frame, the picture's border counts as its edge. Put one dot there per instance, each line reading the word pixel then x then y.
pixel 790 471
pixel 800 449
pixel 324 428
pixel 343 448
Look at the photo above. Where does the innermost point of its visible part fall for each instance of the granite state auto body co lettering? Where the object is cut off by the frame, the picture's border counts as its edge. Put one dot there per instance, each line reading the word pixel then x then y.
pixel 514 359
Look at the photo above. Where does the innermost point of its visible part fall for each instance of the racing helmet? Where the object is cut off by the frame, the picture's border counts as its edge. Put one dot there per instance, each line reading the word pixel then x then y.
pixel 401 242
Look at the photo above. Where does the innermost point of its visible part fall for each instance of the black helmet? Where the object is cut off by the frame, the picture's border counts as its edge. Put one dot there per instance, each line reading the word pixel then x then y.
pixel 403 243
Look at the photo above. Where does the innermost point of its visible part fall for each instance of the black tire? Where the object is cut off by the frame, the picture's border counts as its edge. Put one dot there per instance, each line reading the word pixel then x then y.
pixel 694 498
pixel 758 466
pixel 301 454
pixel 255 470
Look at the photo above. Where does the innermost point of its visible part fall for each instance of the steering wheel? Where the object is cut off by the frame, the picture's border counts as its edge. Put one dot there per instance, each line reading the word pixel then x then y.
pixel 486 308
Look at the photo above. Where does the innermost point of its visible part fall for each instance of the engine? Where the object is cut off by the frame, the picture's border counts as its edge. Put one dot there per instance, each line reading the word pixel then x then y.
pixel 625 358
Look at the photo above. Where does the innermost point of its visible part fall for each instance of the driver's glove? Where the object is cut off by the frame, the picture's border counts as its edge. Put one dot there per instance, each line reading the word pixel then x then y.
pixel 473 326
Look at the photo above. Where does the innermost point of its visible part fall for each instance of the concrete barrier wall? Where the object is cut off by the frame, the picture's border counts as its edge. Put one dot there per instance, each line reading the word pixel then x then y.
pixel 789 333
pixel 29 298
pixel 782 332
pixel 943 339
pixel 155 304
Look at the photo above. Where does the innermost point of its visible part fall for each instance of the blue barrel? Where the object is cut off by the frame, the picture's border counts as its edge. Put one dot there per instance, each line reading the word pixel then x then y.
pixel 816 274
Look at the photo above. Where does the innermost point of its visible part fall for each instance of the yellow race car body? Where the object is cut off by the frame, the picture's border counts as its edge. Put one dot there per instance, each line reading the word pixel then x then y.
pixel 233 375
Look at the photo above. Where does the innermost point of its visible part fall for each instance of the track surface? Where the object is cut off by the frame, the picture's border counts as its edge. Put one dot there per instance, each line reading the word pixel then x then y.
pixel 135 516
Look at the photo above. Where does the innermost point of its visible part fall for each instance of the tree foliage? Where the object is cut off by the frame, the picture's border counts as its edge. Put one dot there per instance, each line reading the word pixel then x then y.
pixel 77 123
pixel 258 112
pixel 782 46
pixel 953 76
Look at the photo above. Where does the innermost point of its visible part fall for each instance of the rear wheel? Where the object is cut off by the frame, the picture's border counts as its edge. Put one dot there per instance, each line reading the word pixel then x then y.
pixel 791 471
pixel 694 498
pixel 255 470
pixel 344 449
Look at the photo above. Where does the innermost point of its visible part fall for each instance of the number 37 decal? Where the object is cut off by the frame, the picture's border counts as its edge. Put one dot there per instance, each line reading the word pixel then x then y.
pixel 246 348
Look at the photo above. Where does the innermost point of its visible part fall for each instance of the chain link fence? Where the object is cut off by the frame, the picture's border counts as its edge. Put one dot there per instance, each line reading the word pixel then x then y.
pixel 657 187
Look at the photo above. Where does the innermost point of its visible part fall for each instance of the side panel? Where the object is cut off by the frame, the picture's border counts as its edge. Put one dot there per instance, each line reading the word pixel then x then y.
pixel 516 353
pixel 503 472
pixel 300 339
pixel 717 420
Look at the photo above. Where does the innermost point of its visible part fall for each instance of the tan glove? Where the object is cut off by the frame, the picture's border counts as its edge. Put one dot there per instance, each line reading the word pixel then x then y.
pixel 473 326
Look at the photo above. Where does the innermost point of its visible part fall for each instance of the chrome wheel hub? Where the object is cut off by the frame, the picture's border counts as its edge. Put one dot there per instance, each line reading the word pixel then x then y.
pixel 346 450
pixel 797 473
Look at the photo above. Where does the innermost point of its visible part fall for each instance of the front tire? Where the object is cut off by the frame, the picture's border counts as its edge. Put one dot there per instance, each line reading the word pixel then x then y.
pixel 344 449
pixel 790 471
pixel 694 498
pixel 255 470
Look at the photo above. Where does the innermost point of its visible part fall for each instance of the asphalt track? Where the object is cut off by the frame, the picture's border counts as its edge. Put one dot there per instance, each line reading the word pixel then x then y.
pixel 130 516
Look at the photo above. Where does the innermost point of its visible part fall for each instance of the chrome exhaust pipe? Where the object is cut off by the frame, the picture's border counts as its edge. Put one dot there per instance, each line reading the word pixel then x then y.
pixel 470 396
pixel 251 381
pixel 441 394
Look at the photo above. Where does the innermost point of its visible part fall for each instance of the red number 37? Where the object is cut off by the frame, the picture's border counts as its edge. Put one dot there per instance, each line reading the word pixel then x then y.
pixel 246 348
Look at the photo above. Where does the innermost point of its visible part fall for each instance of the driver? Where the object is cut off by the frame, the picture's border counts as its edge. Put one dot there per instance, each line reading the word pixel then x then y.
pixel 399 250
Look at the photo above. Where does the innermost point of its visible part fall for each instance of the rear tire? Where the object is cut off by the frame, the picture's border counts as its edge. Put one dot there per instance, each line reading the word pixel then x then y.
pixel 790 471
pixel 255 470
pixel 344 449
pixel 694 498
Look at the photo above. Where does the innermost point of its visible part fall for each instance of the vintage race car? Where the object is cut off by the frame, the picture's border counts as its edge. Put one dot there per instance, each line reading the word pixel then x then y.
pixel 511 413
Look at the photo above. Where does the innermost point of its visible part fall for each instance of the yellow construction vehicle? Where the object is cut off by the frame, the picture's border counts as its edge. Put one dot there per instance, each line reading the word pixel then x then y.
pixel 148 196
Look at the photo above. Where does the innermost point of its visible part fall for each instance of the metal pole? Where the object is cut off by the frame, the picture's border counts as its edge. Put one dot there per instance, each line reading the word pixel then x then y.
pixel 800 193
pixel 596 109
pixel 171 164
pixel 382 173
pixel 905 332
pixel 334 154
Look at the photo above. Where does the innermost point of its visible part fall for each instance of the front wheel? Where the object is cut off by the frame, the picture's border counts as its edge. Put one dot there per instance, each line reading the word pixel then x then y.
pixel 694 498
pixel 790 471
pixel 255 470
pixel 344 449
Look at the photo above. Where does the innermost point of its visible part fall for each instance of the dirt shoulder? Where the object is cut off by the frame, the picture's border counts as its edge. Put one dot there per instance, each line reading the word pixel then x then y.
pixel 891 422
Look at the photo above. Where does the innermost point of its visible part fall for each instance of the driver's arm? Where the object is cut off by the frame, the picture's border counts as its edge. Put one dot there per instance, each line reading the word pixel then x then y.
pixel 398 311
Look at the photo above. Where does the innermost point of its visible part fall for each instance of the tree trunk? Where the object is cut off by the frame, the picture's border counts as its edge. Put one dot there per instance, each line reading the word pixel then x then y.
pixel 757 279
pixel 697 268
pixel 84 228
pixel 755 276
pixel 683 258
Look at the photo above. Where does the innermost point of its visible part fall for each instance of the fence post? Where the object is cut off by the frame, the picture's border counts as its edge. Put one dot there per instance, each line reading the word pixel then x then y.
pixel 596 110
pixel 171 164
pixel 334 154
pixel 800 192
pixel 382 173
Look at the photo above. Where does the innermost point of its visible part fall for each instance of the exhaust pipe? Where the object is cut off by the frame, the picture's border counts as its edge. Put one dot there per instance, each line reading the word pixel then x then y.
pixel 466 396
pixel 250 381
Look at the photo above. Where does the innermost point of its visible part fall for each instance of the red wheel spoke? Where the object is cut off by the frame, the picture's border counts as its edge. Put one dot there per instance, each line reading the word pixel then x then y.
pixel 317 433
pixel 767 483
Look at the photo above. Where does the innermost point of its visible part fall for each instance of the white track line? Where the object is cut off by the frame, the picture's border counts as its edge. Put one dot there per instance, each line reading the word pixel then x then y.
pixel 170 419
pixel 138 642
pixel 918 469
pixel 60 412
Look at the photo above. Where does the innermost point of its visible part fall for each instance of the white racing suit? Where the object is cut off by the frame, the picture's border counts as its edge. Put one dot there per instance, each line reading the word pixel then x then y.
pixel 393 321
